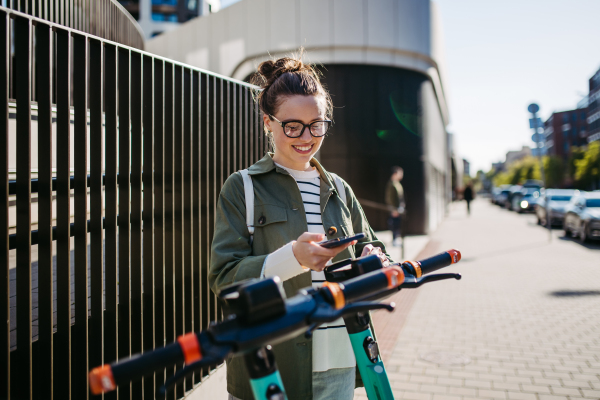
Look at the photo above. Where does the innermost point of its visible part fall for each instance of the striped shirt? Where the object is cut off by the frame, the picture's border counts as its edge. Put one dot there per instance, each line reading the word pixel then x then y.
pixel 331 343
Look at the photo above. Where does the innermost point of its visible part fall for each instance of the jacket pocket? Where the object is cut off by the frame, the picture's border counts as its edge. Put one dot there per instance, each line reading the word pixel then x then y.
pixel 267 214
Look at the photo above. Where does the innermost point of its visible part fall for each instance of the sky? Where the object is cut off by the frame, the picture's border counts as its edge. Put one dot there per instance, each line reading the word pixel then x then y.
pixel 503 55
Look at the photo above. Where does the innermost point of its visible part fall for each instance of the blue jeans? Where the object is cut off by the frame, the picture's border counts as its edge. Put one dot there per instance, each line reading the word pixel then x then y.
pixel 335 384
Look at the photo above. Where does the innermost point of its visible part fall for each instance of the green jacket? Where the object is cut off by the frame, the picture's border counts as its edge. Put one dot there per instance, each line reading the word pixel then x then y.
pixel 233 259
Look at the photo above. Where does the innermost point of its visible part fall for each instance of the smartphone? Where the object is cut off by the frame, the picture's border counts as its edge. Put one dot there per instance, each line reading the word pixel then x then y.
pixel 330 244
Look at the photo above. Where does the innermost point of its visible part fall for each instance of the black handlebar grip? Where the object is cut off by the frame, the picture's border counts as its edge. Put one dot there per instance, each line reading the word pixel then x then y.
pixel 366 285
pixel 439 261
pixel 107 377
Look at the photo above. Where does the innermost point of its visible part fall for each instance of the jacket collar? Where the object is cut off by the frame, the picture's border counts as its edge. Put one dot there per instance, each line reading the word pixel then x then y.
pixel 266 164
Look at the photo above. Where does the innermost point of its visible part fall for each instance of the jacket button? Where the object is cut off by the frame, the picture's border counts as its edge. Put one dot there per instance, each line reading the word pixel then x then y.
pixel 332 231
pixel 262 220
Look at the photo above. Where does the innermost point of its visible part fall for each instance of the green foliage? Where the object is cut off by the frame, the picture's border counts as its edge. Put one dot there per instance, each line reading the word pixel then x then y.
pixel 529 168
pixel 554 170
pixel 587 168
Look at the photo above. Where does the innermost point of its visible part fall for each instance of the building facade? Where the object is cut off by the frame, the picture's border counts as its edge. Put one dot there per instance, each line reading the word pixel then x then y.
pixel 383 64
pixel 159 16
pixel 593 110
pixel 565 130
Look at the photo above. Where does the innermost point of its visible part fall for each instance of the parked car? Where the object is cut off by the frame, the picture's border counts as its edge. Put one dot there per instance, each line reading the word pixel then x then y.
pixel 514 191
pixel 553 200
pixel 499 194
pixel 582 216
pixel 527 200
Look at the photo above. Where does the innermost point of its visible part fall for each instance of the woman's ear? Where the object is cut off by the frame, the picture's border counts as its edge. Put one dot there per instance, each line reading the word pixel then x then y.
pixel 267 121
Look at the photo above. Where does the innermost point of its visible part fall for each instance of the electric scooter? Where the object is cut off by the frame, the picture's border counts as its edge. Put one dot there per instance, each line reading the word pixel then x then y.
pixel 261 315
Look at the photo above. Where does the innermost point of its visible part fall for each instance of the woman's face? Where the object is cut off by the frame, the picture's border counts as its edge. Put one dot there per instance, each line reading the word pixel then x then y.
pixel 296 153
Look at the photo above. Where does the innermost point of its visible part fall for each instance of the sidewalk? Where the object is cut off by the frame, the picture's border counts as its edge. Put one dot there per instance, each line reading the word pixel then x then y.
pixel 523 323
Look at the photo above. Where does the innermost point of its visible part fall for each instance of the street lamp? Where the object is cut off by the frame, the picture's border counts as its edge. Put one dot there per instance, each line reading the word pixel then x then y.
pixel 535 123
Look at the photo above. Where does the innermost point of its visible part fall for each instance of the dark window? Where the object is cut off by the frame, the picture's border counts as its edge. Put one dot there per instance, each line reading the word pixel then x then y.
pixel 574 117
pixel 565 118
pixel 582 116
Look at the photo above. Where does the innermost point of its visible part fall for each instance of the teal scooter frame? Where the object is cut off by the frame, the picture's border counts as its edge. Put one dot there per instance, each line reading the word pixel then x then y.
pixel 266 382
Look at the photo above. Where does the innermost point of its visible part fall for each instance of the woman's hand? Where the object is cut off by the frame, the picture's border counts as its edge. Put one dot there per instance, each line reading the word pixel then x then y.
pixel 369 249
pixel 310 255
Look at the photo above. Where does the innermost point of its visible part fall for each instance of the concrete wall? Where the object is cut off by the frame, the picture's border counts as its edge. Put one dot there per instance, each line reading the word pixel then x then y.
pixel 400 33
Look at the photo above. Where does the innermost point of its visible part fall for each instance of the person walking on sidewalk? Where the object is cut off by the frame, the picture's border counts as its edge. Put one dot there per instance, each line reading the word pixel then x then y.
pixel 468 196
pixel 296 204
pixel 394 198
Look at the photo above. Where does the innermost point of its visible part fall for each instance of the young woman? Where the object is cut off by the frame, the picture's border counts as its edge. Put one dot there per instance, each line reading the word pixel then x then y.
pixel 295 205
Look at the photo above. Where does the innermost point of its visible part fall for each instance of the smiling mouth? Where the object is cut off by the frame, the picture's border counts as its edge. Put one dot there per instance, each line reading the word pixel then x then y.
pixel 303 149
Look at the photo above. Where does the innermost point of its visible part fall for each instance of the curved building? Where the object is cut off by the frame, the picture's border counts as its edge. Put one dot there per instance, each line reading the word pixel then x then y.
pixel 382 61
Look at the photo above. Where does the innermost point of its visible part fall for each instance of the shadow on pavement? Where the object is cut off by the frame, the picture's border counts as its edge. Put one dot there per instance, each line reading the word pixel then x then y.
pixel 575 293
pixel 591 246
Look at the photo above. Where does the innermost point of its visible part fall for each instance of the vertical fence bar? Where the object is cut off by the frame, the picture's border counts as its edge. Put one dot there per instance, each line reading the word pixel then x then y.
pixel 159 300
pixel 178 212
pixel 62 349
pixel 124 213
pixel 136 213
pixel 197 266
pixel 4 252
pixel 110 212
pixel 148 216
pixel 23 95
pixel 81 250
pixel 169 220
pixel 212 167
pixel 188 275
pixel 204 198
pixel 45 269
pixel 96 336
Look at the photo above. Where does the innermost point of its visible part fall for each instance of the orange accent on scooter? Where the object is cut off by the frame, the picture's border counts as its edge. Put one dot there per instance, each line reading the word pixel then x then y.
pixel 101 380
pixel 455 255
pixel 336 293
pixel 395 276
pixel 190 348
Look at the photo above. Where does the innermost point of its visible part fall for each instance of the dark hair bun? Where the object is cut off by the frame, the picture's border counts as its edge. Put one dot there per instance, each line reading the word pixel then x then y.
pixel 287 76
pixel 273 69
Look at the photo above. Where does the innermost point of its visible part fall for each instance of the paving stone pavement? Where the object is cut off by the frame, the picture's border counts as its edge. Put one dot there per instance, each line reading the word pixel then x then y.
pixel 523 323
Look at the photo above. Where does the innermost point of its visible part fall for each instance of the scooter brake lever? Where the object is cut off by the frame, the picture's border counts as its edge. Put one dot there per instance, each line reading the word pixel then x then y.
pixel 411 282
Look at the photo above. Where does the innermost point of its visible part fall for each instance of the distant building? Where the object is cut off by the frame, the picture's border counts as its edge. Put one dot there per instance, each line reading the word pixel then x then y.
pixel 466 168
pixel 564 130
pixel 593 110
pixel 499 166
pixel 516 155
pixel 158 16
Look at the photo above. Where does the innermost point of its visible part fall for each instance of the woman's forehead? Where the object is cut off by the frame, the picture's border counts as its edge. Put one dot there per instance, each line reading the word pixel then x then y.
pixel 298 106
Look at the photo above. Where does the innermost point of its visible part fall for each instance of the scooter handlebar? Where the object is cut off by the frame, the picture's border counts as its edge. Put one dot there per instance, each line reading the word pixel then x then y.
pixel 107 377
pixel 431 264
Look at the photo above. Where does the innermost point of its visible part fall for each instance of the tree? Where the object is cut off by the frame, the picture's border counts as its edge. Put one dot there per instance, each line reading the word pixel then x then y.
pixel 554 170
pixel 587 173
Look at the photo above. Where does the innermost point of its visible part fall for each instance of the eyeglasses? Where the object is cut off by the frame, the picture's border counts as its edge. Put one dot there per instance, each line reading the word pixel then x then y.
pixel 294 129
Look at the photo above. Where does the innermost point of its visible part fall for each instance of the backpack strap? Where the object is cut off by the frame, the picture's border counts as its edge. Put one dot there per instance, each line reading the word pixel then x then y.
pixel 340 187
pixel 249 195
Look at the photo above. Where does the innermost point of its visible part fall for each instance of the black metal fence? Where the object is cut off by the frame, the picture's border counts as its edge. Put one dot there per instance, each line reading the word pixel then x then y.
pixel 104 18
pixel 139 203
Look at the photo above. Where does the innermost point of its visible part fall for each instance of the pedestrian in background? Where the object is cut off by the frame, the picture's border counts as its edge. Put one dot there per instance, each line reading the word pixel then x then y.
pixel 468 196
pixel 394 198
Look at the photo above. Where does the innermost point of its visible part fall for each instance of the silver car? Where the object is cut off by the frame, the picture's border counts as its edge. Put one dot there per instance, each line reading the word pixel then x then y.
pixel 552 203
pixel 582 216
